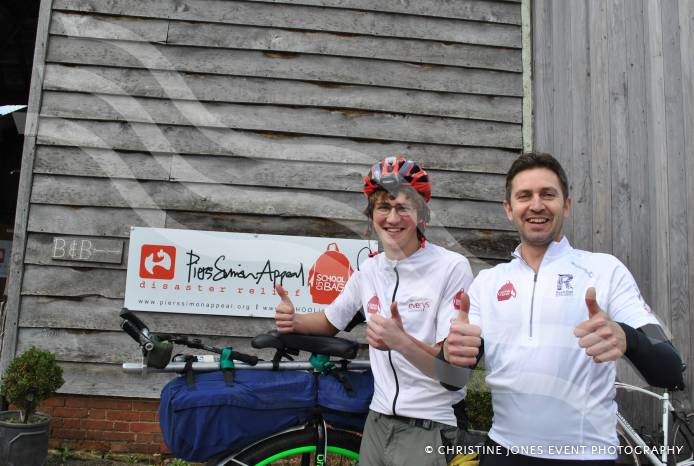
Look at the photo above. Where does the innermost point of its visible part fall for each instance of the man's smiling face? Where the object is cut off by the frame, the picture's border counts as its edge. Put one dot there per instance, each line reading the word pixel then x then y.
pixel 537 206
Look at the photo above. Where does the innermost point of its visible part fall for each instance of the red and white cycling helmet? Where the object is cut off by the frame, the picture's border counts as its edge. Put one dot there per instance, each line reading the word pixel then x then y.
pixel 393 172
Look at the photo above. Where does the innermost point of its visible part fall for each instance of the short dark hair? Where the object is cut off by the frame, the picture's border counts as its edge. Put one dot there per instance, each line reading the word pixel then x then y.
pixel 530 160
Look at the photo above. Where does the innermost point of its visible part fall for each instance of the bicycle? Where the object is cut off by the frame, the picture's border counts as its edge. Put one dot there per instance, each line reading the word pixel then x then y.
pixel 311 442
pixel 674 450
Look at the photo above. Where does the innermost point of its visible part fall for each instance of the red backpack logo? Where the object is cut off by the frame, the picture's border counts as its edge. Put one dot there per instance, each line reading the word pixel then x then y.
pixel 373 306
pixel 157 261
pixel 458 299
pixel 328 276
pixel 506 292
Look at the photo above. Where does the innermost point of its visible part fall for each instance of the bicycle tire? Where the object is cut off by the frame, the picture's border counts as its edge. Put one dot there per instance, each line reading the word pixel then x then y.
pixel 681 438
pixel 343 449
pixel 626 458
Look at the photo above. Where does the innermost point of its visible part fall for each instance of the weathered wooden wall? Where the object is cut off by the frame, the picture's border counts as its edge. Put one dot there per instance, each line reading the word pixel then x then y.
pixel 614 100
pixel 250 116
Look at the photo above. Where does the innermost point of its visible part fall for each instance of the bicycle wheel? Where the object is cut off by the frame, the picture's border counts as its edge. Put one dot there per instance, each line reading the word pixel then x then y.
pixel 682 444
pixel 627 455
pixel 297 448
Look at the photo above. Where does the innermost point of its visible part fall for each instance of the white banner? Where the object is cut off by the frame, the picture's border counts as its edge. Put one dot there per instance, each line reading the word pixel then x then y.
pixel 205 272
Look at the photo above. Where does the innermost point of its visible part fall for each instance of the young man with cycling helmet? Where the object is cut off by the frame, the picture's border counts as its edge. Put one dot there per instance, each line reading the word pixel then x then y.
pixel 552 322
pixel 415 283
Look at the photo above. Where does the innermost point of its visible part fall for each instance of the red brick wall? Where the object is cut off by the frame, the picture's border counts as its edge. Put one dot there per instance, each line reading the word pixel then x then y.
pixel 119 425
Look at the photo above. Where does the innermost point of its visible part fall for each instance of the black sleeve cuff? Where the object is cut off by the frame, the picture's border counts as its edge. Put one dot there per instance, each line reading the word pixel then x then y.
pixel 654 356
pixel 632 339
pixel 448 387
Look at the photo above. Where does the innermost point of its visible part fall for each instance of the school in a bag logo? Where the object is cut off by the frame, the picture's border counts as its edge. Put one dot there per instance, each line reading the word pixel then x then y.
pixel 328 276
pixel 157 261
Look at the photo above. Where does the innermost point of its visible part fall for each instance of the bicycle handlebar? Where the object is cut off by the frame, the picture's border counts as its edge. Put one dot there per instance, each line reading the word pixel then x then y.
pixel 127 315
pixel 137 335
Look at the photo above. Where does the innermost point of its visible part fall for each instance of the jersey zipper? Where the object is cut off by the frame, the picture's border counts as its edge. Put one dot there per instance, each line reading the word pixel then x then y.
pixel 390 355
pixel 532 303
pixel 532 297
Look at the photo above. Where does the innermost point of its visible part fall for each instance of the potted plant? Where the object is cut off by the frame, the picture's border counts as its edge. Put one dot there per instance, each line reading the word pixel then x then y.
pixel 30 378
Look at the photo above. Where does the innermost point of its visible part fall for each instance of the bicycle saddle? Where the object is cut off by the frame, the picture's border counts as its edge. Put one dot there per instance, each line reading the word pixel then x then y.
pixel 329 346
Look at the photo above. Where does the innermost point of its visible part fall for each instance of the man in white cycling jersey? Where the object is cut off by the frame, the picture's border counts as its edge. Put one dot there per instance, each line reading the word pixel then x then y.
pixel 417 284
pixel 551 323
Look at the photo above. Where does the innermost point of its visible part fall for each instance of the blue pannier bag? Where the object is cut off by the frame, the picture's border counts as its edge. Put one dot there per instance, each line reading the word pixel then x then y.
pixel 341 407
pixel 210 417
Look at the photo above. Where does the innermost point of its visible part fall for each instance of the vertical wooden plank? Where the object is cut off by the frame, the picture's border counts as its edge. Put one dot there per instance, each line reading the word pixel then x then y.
pixel 619 156
pixel 657 148
pixel 686 24
pixel 562 73
pixel 658 160
pixel 599 111
pixel 542 70
pixel 582 191
pixel 637 146
pixel 638 172
pixel 527 58
pixel 676 174
pixel 622 225
pixel 11 318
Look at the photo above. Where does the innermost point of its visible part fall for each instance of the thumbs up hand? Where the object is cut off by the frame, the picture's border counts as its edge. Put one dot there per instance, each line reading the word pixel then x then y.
pixel 463 343
pixel 285 317
pixel 387 333
pixel 603 339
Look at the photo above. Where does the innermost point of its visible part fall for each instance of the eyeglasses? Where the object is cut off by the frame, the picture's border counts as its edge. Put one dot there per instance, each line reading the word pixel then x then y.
pixel 400 209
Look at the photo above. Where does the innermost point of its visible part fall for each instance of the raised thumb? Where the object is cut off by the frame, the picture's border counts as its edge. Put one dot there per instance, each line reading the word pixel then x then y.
pixel 284 296
pixel 591 302
pixel 464 311
pixel 394 313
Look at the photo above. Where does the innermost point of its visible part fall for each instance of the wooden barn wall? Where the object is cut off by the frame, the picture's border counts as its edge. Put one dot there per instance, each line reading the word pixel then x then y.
pixel 249 116
pixel 614 100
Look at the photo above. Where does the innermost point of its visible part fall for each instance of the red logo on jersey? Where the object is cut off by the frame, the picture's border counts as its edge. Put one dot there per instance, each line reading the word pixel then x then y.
pixel 458 299
pixel 373 306
pixel 506 292
pixel 157 261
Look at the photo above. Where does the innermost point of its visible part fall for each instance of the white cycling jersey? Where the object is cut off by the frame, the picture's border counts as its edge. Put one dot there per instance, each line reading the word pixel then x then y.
pixel 550 399
pixel 427 284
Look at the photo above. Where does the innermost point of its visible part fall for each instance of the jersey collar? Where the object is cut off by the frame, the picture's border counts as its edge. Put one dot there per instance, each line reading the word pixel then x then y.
pixel 388 264
pixel 555 250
